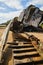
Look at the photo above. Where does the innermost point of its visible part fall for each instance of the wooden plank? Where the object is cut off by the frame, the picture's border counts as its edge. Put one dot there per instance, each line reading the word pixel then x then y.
pixel 36 58
pixel 23 49
pixel 21 44
pixel 27 53
pixel 16 61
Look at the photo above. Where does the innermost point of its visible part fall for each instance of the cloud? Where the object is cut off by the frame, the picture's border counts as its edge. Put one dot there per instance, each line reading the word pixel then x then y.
pixel 13 3
pixel 2 8
pixel 7 9
pixel 35 2
pixel 41 8
pixel 7 16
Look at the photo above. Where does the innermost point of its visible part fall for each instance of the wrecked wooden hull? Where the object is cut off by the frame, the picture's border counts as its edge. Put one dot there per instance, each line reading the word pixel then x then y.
pixel 23 50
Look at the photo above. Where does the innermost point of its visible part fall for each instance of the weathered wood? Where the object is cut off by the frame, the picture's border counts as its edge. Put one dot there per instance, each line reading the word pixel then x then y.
pixel 4 39
pixel 23 53
pixel 23 49
pixel 16 61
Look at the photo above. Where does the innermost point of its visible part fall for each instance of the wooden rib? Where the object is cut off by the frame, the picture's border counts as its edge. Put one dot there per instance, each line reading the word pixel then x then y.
pixel 27 53
pixel 24 49
pixel 21 61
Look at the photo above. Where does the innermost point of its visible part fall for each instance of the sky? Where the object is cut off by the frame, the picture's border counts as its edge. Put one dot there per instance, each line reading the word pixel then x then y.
pixel 12 8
